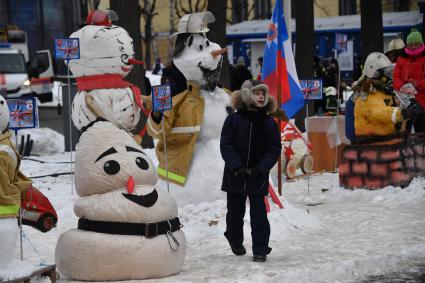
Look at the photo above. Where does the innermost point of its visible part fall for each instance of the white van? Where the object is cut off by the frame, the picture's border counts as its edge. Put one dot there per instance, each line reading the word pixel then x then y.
pixel 18 76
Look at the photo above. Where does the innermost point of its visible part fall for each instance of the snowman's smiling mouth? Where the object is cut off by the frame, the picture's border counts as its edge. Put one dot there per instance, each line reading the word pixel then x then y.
pixel 210 76
pixel 124 69
pixel 145 200
pixel 206 71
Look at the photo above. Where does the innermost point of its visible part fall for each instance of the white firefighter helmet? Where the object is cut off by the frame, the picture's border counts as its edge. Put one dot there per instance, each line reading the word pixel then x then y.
pixel 395 44
pixel 374 62
pixel 330 91
pixel 4 114
pixel 195 23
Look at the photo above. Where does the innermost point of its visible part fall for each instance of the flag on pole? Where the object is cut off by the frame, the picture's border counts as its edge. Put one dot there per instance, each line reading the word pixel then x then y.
pixel 279 64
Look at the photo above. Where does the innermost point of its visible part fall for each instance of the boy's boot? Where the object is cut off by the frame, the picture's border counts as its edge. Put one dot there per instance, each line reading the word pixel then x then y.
pixel 259 258
pixel 238 249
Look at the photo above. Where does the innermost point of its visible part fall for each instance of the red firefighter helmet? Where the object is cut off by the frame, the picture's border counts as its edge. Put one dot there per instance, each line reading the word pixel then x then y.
pixel 101 18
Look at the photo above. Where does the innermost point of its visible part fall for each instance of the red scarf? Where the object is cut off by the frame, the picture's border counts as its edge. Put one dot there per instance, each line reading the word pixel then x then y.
pixel 112 81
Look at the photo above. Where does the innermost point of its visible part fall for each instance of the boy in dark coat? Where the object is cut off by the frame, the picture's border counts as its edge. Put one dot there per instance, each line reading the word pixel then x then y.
pixel 250 146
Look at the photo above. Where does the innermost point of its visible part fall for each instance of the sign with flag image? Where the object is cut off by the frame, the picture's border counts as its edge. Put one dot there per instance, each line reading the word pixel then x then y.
pixel 279 65
pixel 341 40
pixel 23 113
pixel 161 98
pixel 312 89
pixel 67 48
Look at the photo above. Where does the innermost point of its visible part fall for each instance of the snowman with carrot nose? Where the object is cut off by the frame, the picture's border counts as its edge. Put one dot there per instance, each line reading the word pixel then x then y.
pixel 128 226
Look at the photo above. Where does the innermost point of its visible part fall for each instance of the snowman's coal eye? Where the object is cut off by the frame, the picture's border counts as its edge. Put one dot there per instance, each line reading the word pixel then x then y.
pixel 122 48
pixel 201 47
pixel 142 164
pixel 111 167
pixel 208 43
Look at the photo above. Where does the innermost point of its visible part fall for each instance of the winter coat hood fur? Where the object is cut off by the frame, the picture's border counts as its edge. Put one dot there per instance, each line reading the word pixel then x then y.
pixel 238 104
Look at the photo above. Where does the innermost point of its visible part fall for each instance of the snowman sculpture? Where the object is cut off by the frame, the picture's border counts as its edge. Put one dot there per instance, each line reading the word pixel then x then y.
pixel 194 123
pixel 8 223
pixel 106 57
pixel 128 227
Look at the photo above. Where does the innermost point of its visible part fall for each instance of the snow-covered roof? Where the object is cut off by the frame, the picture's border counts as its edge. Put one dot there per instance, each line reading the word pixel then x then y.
pixel 391 21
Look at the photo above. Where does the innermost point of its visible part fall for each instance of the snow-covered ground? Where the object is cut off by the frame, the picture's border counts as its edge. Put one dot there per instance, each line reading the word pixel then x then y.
pixel 350 235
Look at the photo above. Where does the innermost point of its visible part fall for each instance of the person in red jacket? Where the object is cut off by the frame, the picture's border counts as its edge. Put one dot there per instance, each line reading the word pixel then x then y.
pixel 410 71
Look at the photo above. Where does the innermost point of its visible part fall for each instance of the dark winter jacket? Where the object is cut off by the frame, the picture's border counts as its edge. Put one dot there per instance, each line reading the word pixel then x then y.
pixel 250 139
pixel 411 67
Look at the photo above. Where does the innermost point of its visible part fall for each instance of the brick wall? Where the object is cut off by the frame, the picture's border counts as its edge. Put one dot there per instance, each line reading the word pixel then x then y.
pixel 374 166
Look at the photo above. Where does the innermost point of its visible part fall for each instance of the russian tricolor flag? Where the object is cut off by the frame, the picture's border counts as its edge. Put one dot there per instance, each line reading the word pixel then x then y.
pixel 279 64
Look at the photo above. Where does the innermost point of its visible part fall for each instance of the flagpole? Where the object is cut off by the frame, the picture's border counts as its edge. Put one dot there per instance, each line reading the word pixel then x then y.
pixel 279 102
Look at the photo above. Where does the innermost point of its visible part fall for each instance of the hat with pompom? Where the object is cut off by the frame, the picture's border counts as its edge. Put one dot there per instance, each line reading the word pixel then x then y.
pixel 414 37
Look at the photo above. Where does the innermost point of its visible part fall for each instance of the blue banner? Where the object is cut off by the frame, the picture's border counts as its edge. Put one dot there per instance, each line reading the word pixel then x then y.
pixel 161 98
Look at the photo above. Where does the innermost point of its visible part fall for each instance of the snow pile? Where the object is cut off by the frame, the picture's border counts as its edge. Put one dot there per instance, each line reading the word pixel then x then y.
pixel 46 141
pixel 351 235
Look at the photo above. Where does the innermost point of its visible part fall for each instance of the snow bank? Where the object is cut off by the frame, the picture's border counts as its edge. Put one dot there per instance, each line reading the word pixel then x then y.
pixel 46 141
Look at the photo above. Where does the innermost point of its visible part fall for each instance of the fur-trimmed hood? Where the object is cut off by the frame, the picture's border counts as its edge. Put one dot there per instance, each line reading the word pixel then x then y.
pixel 237 104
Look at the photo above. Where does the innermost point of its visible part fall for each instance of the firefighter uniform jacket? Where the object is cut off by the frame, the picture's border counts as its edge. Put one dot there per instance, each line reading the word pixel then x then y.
pixel 12 181
pixel 181 125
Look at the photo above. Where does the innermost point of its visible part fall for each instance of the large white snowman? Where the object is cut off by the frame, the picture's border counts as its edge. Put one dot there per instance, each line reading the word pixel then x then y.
pixel 106 57
pixel 128 227
pixel 197 116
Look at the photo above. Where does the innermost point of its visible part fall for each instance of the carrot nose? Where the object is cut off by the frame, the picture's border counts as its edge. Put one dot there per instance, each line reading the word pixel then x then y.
pixel 133 61
pixel 130 185
pixel 215 53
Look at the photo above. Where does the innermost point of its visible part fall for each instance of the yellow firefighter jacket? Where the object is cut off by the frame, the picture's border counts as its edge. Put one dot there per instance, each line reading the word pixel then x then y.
pixel 373 115
pixel 12 181
pixel 181 125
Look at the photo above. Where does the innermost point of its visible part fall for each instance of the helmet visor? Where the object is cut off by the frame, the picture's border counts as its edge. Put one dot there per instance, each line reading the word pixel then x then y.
pixel 386 72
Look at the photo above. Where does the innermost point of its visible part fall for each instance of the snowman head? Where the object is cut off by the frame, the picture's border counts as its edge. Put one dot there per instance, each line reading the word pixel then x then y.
pixel 103 50
pixel 108 158
pixel 195 55
pixel 4 114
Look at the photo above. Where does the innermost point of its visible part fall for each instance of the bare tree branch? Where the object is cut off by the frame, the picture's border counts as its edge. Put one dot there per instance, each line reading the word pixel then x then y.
pixel 322 8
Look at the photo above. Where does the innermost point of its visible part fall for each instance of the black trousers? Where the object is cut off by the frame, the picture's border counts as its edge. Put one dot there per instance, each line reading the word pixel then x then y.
pixel 260 227
pixel 419 123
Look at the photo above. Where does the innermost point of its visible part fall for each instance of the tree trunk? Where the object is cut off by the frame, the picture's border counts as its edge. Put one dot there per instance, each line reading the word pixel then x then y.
pixel 148 42
pixel 372 29
pixel 129 13
pixel 304 16
pixel 217 34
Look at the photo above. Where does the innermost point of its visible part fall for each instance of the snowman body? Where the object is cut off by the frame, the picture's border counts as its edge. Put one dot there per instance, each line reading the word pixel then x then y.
pixel 8 238
pixel 196 62
pixel 104 62
pixel 128 226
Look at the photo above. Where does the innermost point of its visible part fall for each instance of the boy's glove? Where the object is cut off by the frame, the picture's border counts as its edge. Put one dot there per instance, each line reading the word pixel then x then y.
pixel 411 111
pixel 240 172
pixel 253 172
